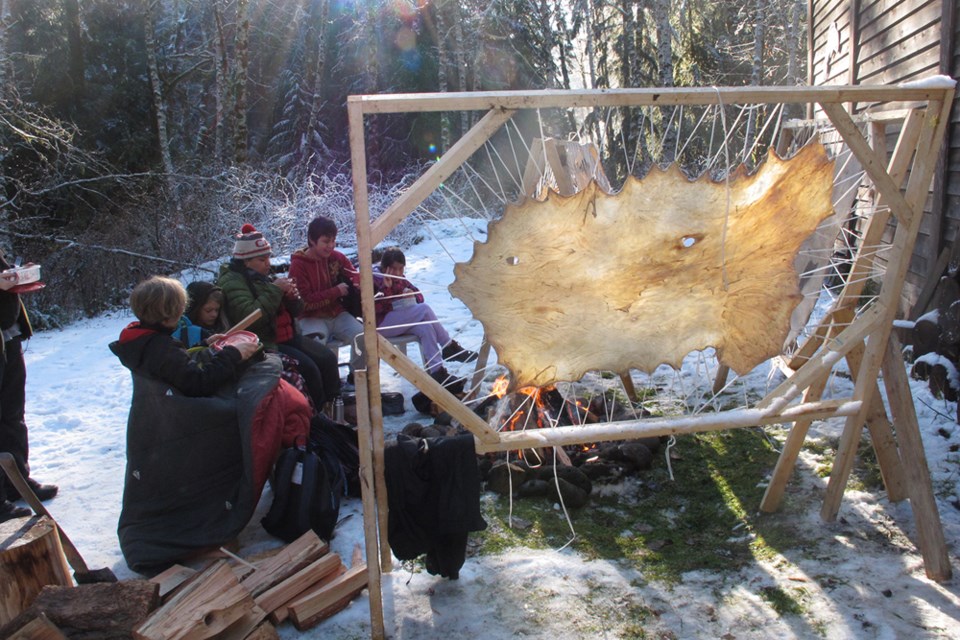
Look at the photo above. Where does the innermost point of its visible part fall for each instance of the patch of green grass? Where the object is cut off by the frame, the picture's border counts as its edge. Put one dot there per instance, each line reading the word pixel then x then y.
pixel 782 601
pixel 704 519
pixel 866 475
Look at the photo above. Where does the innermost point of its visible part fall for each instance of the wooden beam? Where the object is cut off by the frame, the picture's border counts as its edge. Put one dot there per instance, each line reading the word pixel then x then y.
pixel 928 146
pixel 936 560
pixel 863 264
pixel 869 159
pixel 656 96
pixel 370 511
pixel 425 185
pixel 824 360
pixel 447 401
pixel 653 427
pixel 790 451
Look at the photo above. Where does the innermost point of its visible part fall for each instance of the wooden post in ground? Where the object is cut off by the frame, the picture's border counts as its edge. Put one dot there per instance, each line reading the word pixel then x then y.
pixel 932 545
pixel 371 512
pixel 909 211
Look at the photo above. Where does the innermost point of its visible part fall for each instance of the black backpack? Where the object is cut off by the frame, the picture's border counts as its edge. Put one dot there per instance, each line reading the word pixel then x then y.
pixel 340 440
pixel 307 488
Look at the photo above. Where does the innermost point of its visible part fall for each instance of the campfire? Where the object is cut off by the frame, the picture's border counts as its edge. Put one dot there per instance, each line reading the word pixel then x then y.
pixel 575 468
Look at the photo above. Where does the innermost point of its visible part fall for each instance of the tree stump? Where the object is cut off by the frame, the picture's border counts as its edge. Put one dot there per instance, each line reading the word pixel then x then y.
pixel 30 557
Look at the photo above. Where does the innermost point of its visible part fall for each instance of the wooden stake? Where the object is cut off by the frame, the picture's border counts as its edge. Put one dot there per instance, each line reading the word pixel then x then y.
pixel 933 547
pixel 371 571
pixel 449 402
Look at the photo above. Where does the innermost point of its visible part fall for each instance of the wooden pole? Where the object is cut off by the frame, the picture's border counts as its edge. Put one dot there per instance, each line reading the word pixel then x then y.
pixel 654 96
pixel 904 238
pixel 370 511
pixel 459 153
pixel 449 402
pixel 652 427
pixel 932 545
pixel 370 378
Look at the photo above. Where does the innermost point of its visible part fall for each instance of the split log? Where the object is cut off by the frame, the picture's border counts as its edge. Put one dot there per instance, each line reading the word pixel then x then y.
pixel 172 579
pixel 281 613
pixel 289 560
pixel 289 589
pixel 312 609
pixel 213 604
pixel 30 558
pixel 265 631
pixel 102 611
pixel 40 628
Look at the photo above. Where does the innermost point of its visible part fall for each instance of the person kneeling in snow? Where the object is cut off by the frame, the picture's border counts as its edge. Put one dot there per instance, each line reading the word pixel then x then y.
pixel 202 433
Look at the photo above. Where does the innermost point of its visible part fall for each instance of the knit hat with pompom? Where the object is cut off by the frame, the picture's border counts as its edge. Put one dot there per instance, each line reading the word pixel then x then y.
pixel 250 243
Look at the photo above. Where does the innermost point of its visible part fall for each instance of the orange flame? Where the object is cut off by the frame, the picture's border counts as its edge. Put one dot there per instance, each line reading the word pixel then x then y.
pixel 500 386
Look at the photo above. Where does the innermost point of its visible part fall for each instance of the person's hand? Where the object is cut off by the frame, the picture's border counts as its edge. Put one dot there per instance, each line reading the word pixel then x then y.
pixel 344 289
pixel 288 286
pixel 212 339
pixel 8 280
pixel 246 349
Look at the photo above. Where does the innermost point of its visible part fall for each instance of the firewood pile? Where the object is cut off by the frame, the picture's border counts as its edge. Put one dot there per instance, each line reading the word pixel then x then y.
pixel 227 599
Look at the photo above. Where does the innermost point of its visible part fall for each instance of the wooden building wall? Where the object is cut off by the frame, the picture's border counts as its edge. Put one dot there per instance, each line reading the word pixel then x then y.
pixel 888 42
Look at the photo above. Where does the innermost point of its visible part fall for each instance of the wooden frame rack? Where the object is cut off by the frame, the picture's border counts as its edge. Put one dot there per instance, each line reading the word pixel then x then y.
pixel 863 339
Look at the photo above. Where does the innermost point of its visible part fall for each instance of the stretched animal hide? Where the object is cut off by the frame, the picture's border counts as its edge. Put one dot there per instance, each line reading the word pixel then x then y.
pixel 643 277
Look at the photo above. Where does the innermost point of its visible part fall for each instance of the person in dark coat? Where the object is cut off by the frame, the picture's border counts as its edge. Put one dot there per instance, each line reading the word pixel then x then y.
pixel 201 438
pixel 15 326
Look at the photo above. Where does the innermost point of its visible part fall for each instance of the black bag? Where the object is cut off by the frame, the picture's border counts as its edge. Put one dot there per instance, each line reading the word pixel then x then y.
pixel 342 442
pixel 351 301
pixel 307 487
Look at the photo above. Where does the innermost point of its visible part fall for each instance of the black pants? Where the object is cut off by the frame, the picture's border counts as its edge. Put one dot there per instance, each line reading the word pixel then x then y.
pixel 13 428
pixel 318 366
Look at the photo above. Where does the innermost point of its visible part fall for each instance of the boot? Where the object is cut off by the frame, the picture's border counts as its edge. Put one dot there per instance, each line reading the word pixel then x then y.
pixel 452 383
pixel 453 350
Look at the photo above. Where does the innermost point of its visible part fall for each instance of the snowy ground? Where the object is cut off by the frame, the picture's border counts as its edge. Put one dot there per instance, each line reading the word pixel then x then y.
pixel 860 577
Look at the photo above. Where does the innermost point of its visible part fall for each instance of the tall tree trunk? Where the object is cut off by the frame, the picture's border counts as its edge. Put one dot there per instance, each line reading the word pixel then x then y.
pixel 159 105
pixel 319 70
pixel 241 62
pixel 440 21
pixel 371 82
pixel 564 48
pixel 662 12
pixel 756 75
pixel 461 57
pixel 221 83
pixel 6 75
pixel 71 9
pixel 793 54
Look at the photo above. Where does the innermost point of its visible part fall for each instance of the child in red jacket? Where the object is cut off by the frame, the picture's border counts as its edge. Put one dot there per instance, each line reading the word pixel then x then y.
pixel 324 277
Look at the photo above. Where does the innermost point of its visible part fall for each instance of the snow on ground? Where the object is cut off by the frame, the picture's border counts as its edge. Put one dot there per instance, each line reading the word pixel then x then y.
pixel 861 576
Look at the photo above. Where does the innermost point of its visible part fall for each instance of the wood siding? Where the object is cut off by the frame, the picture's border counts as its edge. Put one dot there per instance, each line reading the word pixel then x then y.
pixel 888 42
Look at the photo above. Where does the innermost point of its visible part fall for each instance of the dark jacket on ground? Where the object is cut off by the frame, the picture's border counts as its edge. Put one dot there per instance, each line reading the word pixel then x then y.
pixel 190 483
pixel 433 492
